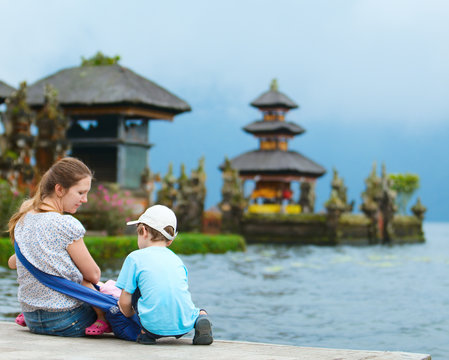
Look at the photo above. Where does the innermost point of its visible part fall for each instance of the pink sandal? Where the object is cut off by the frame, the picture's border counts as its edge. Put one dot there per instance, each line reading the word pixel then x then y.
pixel 98 330
pixel 20 320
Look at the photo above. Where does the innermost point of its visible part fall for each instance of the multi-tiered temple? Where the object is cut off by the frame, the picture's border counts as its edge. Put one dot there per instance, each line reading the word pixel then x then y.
pixel 273 167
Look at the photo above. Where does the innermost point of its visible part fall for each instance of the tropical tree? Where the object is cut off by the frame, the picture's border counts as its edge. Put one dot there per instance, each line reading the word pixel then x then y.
pixel 405 186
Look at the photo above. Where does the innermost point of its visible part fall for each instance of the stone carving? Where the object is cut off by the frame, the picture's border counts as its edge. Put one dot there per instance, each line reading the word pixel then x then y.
pixel 233 202
pixel 370 202
pixel 387 206
pixel 379 205
pixel 185 196
pixel 147 182
pixel 419 209
pixel 338 185
pixel 307 197
pixel 167 194
pixel 335 206
pixel 182 199
pixel 196 195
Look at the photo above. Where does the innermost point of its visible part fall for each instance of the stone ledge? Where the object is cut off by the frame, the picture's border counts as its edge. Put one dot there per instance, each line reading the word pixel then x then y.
pixel 18 343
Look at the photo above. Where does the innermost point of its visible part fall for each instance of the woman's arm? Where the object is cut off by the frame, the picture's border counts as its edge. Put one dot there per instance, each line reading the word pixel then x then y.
pixel 84 261
pixel 125 303
pixel 12 264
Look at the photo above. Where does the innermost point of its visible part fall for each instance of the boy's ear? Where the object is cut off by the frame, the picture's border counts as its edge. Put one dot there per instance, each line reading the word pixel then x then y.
pixel 169 243
pixel 145 232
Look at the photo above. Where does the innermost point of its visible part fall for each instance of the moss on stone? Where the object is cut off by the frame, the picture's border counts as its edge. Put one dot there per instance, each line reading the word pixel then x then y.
pixel 406 220
pixel 354 219
pixel 297 218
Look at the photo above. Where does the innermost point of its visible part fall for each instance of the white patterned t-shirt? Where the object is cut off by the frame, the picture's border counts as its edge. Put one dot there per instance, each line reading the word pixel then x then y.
pixel 43 239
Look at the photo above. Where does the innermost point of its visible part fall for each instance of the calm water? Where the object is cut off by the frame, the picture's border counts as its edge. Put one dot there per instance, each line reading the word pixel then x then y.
pixel 374 298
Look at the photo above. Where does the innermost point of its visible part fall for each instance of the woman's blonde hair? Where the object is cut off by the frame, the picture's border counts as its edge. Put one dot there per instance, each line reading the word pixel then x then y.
pixel 65 172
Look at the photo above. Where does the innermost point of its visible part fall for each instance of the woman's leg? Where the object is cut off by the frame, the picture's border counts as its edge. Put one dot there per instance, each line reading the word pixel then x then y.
pixel 71 323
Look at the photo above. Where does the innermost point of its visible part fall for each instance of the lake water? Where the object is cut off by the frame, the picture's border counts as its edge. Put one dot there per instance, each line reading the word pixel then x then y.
pixel 374 298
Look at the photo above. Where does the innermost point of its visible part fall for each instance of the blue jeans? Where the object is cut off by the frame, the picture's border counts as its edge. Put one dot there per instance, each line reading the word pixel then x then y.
pixel 70 323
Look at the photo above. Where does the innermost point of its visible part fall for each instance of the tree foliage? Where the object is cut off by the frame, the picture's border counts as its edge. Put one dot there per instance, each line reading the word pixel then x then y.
pixel 100 59
pixel 405 185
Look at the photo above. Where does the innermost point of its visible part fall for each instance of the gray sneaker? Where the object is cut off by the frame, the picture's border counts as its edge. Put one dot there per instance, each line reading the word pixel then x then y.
pixel 203 331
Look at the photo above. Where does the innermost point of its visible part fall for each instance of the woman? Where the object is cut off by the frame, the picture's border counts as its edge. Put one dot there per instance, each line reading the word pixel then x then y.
pixel 53 242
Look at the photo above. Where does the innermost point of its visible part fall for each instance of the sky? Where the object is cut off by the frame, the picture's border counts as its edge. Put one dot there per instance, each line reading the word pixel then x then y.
pixel 371 77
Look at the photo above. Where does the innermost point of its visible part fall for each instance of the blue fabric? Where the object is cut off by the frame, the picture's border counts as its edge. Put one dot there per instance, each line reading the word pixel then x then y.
pixel 123 327
pixel 165 306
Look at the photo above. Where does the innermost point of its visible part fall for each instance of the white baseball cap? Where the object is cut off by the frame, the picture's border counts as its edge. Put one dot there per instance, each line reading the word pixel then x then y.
pixel 158 217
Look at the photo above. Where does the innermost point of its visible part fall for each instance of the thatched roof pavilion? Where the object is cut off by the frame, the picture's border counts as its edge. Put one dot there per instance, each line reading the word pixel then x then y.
pixel 5 91
pixel 109 107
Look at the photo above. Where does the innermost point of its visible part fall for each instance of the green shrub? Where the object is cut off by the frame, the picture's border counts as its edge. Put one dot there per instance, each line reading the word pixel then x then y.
pixel 108 248
pixel 9 203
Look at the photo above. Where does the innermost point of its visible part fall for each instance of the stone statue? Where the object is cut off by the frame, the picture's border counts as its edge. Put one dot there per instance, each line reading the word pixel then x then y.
pixel 167 194
pixel 371 203
pixel 233 202
pixel 147 182
pixel 307 197
pixel 338 185
pixel 419 209
pixel 196 197
pixel 335 207
pixel 182 199
pixel 387 206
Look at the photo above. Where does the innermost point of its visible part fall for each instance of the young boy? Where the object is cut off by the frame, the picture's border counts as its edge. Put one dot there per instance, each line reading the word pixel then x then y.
pixel 154 283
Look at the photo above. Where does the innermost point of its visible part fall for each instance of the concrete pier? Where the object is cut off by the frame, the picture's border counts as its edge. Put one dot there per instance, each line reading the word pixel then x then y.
pixel 18 343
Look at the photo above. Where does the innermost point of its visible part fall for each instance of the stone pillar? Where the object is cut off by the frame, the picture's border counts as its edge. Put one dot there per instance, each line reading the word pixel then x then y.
pixel 307 197
pixel 419 210
pixel 335 207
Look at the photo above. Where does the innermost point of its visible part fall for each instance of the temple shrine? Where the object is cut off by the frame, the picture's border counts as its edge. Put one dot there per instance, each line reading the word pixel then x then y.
pixel 109 108
pixel 274 167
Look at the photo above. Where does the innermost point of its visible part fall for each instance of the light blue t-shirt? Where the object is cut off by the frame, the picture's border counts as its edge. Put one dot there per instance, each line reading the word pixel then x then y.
pixel 165 306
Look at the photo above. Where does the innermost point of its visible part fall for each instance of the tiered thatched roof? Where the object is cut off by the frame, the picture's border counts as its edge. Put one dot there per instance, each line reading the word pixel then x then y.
pixel 262 127
pixel 276 162
pixel 273 98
